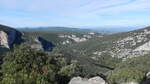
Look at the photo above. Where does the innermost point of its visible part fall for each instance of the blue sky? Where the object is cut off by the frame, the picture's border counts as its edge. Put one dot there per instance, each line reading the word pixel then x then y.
pixel 74 13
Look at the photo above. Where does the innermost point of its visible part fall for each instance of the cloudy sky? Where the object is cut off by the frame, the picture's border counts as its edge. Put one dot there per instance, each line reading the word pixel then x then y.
pixel 74 13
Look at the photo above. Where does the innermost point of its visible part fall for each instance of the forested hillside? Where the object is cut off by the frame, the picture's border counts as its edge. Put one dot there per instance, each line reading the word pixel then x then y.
pixel 48 57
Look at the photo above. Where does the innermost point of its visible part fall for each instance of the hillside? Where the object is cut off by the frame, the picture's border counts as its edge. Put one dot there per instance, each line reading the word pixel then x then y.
pixel 121 45
pixel 104 53
pixel 62 36
pixel 8 37
pixel 121 58
pixel 60 29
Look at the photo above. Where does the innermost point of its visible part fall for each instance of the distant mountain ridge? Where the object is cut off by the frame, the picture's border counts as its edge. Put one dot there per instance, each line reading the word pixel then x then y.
pixel 71 29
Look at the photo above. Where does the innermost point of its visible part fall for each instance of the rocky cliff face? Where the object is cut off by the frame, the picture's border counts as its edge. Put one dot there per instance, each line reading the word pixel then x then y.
pixel 41 44
pixel 9 37
pixel 128 45
pixel 4 39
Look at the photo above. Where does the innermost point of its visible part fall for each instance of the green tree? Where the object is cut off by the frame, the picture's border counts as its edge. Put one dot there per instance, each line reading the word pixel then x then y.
pixel 26 66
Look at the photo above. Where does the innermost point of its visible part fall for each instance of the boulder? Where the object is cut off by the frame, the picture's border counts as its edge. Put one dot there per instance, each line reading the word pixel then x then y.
pixel 93 80
pixel 147 81
pixel 148 75
pixel 131 83
pixel 97 80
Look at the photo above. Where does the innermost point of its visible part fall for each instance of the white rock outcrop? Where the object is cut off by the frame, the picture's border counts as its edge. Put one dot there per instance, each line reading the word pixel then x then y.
pixel 4 39
pixel 145 46
pixel 74 37
pixel 41 44
pixel 94 80
pixel 131 83
pixel 147 81
pixel 7 39
pixel 148 75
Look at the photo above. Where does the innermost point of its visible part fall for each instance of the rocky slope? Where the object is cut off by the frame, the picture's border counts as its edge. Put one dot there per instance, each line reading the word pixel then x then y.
pixel 121 45
pixel 63 37
pixel 41 44
pixel 99 80
pixel 105 53
pixel 10 36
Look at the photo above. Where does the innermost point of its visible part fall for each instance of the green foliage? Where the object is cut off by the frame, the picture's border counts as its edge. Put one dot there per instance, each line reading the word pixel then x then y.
pixel 26 66
pixel 23 64
pixel 133 69
pixel 53 35
pixel 3 51
pixel 126 75
pixel 71 70
pixel 107 60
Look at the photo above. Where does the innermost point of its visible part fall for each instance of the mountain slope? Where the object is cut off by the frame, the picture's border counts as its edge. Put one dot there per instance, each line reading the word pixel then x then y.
pixel 106 52
pixel 119 58
pixel 10 36
pixel 121 45
pixel 62 36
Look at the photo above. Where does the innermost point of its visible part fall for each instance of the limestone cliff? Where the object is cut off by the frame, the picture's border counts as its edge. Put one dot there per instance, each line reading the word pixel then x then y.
pixel 9 36
pixel 4 39
pixel 41 44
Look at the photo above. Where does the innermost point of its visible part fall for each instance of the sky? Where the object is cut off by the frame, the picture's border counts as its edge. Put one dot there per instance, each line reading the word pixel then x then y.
pixel 74 13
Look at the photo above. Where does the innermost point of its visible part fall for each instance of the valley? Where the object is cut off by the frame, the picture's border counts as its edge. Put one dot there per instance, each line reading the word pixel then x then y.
pixel 68 54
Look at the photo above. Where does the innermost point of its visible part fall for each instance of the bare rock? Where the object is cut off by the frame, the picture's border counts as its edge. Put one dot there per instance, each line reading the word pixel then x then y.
pixel 148 75
pixel 94 80
pixel 4 39
pixel 97 80
pixel 131 83
pixel 42 44
pixel 7 39
pixel 145 46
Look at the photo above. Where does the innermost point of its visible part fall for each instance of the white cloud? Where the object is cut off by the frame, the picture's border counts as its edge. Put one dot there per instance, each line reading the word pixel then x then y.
pixel 138 5
pixel 74 12
pixel 75 6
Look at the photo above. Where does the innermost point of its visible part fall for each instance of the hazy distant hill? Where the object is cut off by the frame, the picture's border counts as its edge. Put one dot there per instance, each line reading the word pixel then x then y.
pixel 115 29
pixel 62 35
pixel 65 29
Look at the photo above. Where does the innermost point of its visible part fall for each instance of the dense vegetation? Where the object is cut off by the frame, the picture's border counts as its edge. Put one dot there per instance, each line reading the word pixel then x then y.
pixel 133 69
pixel 52 34
pixel 26 66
